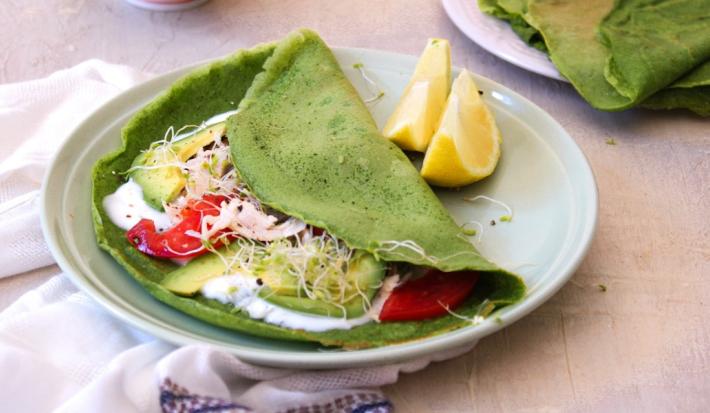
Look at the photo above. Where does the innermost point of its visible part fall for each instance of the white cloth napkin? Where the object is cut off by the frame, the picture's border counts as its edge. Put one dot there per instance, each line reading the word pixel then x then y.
pixel 61 351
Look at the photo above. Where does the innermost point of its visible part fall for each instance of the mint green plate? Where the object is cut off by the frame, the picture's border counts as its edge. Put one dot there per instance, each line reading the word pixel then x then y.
pixel 542 175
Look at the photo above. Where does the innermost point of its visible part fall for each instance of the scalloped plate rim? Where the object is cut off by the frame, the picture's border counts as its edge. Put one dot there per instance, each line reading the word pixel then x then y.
pixel 497 38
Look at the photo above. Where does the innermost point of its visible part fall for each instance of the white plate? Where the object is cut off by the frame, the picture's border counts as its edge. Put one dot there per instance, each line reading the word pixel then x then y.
pixel 498 38
pixel 542 174
pixel 166 5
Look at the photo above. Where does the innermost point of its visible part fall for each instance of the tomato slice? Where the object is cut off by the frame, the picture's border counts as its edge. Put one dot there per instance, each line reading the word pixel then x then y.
pixel 174 243
pixel 428 296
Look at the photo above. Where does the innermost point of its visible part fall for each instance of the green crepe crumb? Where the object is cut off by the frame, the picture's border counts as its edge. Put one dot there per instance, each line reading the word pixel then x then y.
pixel 505 218
pixel 610 141
pixel 470 232
pixel 602 288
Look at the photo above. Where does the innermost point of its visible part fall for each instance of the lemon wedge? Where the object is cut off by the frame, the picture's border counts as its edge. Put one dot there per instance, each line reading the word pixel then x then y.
pixel 413 122
pixel 466 146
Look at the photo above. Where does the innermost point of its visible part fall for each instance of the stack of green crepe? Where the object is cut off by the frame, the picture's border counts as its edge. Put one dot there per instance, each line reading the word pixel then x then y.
pixel 624 53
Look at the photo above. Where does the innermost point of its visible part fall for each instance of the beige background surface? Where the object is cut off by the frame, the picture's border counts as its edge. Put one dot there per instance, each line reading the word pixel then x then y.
pixel 643 345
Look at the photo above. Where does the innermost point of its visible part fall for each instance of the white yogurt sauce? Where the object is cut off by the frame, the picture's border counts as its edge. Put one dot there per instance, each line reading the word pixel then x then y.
pixel 220 118
pixel 126 207
pixel 242 291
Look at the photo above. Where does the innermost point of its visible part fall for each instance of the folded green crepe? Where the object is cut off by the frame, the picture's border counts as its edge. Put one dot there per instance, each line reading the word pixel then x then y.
pixel 306 145
pixel 620 54
pixel 692 91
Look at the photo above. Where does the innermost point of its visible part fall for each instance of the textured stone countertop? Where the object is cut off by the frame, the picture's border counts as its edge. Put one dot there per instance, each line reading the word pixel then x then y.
pixel 643 345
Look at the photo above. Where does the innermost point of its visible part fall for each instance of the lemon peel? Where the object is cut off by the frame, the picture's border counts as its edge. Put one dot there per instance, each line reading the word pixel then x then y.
pixel 414 120
pixel 466 145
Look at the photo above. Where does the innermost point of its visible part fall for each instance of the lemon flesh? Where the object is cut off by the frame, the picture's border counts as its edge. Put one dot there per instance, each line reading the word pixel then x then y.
pixel 466 146
pixel 414 121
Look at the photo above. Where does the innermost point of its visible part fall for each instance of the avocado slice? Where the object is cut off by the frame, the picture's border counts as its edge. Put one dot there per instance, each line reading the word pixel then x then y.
pixel 282 289
pixel 364 271
pixel 187 147
pixel 188 279
pixel 164 183
pixel 279 283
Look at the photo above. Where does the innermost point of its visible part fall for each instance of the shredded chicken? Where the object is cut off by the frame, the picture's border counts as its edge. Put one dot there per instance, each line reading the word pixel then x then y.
pixel 174 209
pixel 210 171
pixel 244 219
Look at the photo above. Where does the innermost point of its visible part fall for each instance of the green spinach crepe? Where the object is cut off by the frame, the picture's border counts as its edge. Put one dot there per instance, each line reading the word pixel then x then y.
pixel 624 53
pixel 306 145
pixel 513 11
